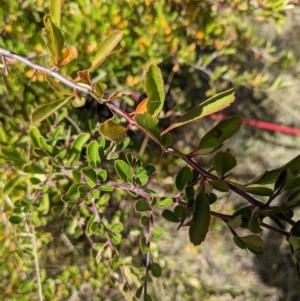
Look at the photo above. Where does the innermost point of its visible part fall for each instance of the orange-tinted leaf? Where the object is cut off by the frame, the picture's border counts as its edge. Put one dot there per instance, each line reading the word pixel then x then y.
pixel 142 107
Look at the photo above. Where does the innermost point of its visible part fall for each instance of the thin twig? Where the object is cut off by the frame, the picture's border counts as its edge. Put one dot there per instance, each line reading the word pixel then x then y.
pixel 74 124
pixel 148 259
pixel 282 232
pixel 36 263
pixel 8 54
pixel 226 218
pixel 234 188
pixel 274 195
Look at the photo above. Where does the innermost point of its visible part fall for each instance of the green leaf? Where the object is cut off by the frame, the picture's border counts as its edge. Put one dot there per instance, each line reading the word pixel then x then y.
pixel 212 198
pixel 268 177
pixel 217 135
pixel 141 179
pixel 104 199
pixel 295 230
pixel 219 185
pixel 55 11
pixel 239 242
pixel 117 227
pixel 35 136
pixel 190 193
pixel 58 132
pixel 116 238
pixel 145 221
pixel 96 194
pixel 3 136
pixel 235 222
pixel 212 105
pixel 76 173
pixel 54 39
pixel 143 245
pixel 71 193
pixel 15 219
pixel 47 147
pixel 165 202
pixel 281 180
pixel 170 216
pixel 150 169
pixel 157 233
pixel 184 176
pixel 141 206
pixel 34 168
pixel 139 292
pixel 62 89
pixel 90 174
pixel 106 187
pixel 92 153
pixel 78 102
pixel 105 49
pixel 13 154
pixel 26 286
pixel 99 90
pixel 102 175
pixel 294 241
pixel 9 186
pixel 245 212
pixel 293 166
pixel 253 224
pixel 112 131
pixel 223 162
pixel 291 184
pixel 147 297
pixel 254 244
pixel 146 278
pixel 155 90
pixel 123 170
pixel 259 190
pixel 149 125
pixel 293 199
pixel 180 212
pixel 201 219
pixel 167 139
pixel 91 222
pixel 58 209
pixel 44 111
pixel 155 269
pixel 79 142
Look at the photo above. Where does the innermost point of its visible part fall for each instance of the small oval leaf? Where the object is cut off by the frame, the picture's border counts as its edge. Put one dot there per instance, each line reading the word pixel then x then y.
pixel 165 202
pixel 201 219
pixel 210 141
pixel 93 154
pixel 184 176
pixel 170 216
pixel 123 170
pixel 155 90
pixel 141 206
pixel 155 269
